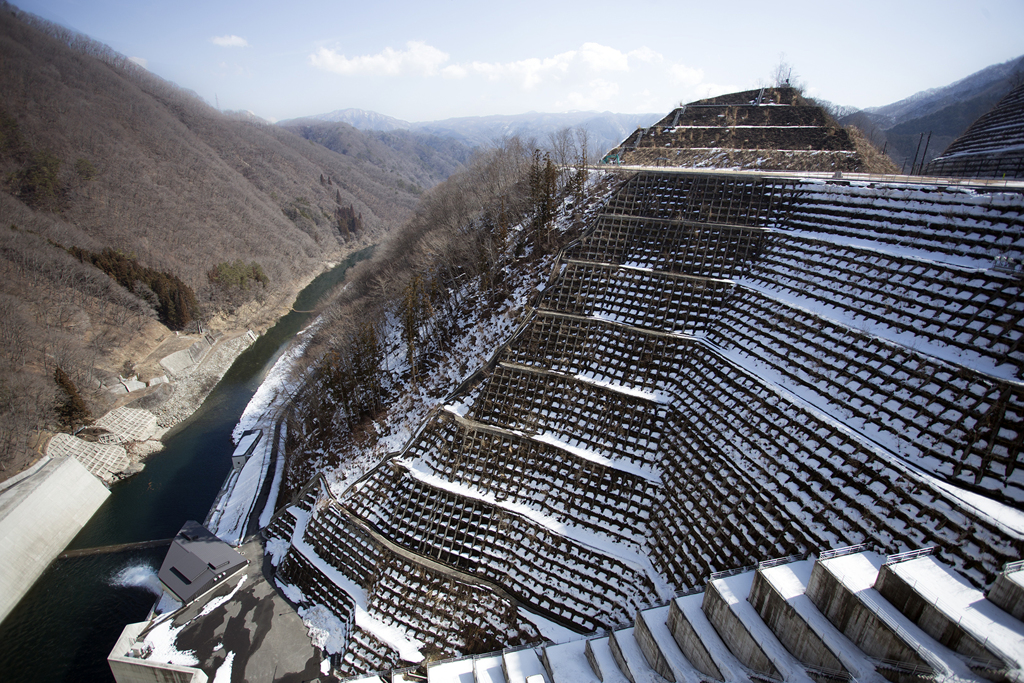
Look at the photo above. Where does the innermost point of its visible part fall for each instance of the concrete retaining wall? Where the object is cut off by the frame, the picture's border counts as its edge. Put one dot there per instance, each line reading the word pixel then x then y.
pixel 791 630
pixel 38 518
pixel 1008 594
pixel 180 361
pixel 734 634
pixel 933 622
pixel 133 670
pixel 856 621
pixel 652 652
pixel 690 643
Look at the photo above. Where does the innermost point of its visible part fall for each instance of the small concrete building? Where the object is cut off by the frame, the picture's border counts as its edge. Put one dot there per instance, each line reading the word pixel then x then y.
pixel 250 439
pixel 196 561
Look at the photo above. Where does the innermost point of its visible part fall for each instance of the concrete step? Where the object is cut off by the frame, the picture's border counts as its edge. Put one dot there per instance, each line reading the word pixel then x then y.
pixel 1007 592
pixel 630 657
pixel 779 596
pixel 524 666
pixel 699 641
pixel 952 611
pixel 568 663
pixel 741 627
pixel 842 587
pixel 488 670
pixel 602 661
pixel 459 671
pixel 659 647
pixel 408 677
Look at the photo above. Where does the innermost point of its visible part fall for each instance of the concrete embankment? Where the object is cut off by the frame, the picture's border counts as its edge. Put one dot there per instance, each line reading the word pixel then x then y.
pixel 38 518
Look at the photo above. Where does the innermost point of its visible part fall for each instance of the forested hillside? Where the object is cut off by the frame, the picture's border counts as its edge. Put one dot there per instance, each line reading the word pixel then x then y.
pixel 428 308
pixel 925 123
pixel 130 206
pixel 418 161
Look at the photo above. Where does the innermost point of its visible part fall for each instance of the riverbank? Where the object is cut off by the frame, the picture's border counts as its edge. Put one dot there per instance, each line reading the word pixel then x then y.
pixel 104 592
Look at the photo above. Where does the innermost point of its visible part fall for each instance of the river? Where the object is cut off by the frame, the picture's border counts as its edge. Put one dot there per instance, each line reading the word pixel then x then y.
pixel 64 627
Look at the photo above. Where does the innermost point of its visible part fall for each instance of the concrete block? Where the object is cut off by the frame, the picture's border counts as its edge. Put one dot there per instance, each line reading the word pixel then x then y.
pixel 129 669
pixel 856 621
pixel 1008 593
pixel 602 661
pixel 791 630
pixel 735 634
pixel 939 626
pixel 690 643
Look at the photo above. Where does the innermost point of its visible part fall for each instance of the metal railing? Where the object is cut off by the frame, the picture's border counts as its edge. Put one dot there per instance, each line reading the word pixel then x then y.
pixel 767 564
pixel 731 572
pixel 834 674
pixel 1011 567
pixel 935 181
pixel 909 555
pixel 840 552
pixel 902 667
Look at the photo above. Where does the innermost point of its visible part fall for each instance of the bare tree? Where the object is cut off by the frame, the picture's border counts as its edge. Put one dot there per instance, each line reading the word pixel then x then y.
pixel 782 75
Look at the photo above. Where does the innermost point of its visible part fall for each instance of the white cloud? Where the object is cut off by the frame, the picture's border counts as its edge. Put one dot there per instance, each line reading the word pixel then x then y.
pixel 646 54
pixel 141 61
pixel 594 96
pixel 230 41
pixel 417 58
pixel 604 58
pixel 454 71
pixel 529 72
pixel 686 75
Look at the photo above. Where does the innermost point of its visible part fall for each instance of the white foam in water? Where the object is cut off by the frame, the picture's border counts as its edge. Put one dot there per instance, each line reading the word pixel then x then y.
pixel 138 576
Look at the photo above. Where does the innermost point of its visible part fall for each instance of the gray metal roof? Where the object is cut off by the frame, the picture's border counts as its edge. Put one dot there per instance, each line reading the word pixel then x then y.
pixel 196 561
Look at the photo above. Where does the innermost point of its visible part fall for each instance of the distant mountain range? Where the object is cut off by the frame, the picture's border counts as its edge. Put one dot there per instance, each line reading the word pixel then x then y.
pixel 944 113
pixel 605 129
pixel 901 128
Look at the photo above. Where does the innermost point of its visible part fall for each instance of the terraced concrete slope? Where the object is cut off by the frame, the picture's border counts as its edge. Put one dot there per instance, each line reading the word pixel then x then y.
pixel 724 368
pixel 849 615
pixel 767 129
pixel 993 147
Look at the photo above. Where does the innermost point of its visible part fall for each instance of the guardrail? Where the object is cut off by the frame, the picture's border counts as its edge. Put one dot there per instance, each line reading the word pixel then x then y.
pixel 902 667
pixel 767 564
pixel 731 572
pixel 1013 566
pixel 839 552
pixel 834 674
pixel 909 555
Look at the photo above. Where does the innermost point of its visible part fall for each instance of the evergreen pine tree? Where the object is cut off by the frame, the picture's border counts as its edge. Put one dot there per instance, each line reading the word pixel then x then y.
pixel 70 406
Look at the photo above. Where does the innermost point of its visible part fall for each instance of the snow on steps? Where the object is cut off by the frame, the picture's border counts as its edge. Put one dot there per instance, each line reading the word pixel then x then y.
pixel 843 588
pixel 782 602
pixel 676 641
pixel 725 603
pixel 952 611
pixel 613 321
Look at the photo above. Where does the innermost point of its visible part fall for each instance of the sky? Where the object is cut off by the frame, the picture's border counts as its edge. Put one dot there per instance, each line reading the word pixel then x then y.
pixel 427 60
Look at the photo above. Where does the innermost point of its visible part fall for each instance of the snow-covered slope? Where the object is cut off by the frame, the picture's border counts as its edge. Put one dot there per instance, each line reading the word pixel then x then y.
pixel 724 368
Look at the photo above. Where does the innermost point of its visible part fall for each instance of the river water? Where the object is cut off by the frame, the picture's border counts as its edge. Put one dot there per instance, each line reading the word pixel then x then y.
pixel 64 627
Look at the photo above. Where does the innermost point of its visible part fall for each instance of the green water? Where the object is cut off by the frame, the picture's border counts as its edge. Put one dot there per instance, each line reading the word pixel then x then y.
pixel 64 628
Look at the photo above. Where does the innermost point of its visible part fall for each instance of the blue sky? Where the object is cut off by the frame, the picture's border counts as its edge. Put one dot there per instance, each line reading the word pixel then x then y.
pixel 426 60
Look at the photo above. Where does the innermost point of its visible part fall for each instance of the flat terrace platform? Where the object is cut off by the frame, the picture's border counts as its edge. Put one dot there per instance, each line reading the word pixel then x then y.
pixel 937 181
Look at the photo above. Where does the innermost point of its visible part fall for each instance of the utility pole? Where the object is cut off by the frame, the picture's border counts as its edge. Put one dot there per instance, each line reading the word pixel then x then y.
pixel 914 163
pixel 925 155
